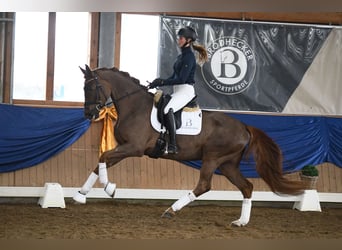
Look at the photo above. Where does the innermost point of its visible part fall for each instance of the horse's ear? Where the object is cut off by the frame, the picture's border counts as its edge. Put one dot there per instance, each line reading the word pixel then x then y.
pixel 87 72
pixel 83 70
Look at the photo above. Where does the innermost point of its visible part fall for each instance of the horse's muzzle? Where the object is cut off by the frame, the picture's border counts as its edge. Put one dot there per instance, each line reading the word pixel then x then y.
pixel 92 114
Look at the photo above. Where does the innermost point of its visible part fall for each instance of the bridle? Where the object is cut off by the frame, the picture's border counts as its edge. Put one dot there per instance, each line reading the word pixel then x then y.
pixel 99 90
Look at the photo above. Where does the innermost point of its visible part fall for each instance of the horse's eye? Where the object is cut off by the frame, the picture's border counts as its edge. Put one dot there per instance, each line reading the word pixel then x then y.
pixel 88 87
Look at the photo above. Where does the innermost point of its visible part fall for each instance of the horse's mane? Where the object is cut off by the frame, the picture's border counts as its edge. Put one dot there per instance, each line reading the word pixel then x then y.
pixel 125 74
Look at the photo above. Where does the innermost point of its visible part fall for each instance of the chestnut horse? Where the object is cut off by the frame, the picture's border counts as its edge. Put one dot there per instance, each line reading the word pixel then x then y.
pixel 221 144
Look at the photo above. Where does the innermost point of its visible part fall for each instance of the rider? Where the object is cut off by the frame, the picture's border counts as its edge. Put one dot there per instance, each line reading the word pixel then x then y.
pixel 182 80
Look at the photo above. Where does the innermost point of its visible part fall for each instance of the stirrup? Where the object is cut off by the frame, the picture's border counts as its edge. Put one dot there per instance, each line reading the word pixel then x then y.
pixel 172 149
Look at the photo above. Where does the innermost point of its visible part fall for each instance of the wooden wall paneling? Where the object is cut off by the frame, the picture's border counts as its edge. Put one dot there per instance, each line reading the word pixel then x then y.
pixel 144 175
pixel 18 177
pixel 124 176
pixel 50 56
pixel 331 177
pixel 324 177
pixel 6 179
pixel 75 164
pixel 94 42
pixel 335 178
pixel 163 174
pixel 338 174
pixel 81 149
pixel 338 179
pixel 7 74
pixel 176 175
pixel 328 177
pixel 32 174
pixel 39 178
pixel 88 155
pixel 130 171
pixel 116 174
pixel 184 175
pixel 92 146
pixel 170 178
pixel 117 41
pixel 55 164
pixel 153 172
pixel 71 173
pixel 61 170
pixel 137 172
pixel 192 176
pixel 154 165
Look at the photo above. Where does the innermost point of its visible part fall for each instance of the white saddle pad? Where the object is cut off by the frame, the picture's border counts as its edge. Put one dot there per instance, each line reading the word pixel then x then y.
pixel 191 122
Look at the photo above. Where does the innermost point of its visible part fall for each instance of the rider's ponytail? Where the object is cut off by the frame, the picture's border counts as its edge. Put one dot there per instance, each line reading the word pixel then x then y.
pixel 202 52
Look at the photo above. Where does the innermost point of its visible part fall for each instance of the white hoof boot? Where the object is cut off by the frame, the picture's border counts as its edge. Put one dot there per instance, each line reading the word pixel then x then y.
pixel 239 223
pixel 245 213
pixel 110 189
pixel 80 198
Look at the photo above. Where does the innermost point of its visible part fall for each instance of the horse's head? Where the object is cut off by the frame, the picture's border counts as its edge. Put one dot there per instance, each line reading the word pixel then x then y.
pixel 95 94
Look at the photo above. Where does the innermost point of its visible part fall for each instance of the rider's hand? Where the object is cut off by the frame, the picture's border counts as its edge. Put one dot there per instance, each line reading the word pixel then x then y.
pixel 156 83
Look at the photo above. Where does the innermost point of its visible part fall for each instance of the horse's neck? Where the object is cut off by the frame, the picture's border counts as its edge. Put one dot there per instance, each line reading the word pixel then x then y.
pixel 130 99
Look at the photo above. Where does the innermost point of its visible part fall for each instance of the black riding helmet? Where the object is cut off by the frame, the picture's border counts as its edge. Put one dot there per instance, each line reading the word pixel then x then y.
pixel 188 33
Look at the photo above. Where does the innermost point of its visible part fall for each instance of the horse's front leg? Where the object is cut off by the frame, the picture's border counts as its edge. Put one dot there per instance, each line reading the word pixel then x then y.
pixel 107 159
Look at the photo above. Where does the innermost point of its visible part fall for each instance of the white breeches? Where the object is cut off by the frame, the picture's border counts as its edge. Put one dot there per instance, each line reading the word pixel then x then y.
pixel 182 94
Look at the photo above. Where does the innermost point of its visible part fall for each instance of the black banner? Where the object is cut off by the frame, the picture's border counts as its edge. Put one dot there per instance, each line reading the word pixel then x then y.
pixel 251 66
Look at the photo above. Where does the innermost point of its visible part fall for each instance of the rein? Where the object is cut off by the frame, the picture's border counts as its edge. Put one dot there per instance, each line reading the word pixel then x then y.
pixel 127 95
pixel 99 105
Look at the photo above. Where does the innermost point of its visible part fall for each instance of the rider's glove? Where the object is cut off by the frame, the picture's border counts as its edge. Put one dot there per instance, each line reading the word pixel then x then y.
pixel 156 83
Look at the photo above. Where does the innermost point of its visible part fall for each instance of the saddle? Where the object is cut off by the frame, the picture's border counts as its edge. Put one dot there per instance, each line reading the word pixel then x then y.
pixel 160 102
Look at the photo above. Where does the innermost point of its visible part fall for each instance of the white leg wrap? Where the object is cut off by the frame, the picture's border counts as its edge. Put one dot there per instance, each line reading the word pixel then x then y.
pixel 80 198
pixel 182 202
pixel 88 185
pixel 245 213
pixel 110 189
pixel 103 173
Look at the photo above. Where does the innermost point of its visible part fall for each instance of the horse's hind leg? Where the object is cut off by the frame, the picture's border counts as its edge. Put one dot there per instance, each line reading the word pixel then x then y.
pixel 232 172
pixel 204 185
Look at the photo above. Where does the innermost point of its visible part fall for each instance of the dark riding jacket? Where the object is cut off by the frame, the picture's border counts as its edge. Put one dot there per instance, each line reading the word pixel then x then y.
pixel 183 69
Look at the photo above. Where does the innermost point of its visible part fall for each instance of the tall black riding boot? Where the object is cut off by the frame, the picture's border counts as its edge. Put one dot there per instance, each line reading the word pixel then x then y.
pixel 171 124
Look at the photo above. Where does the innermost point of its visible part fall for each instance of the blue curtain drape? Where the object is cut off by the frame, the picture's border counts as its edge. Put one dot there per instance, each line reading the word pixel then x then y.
pixel 30 135
pixel 302 139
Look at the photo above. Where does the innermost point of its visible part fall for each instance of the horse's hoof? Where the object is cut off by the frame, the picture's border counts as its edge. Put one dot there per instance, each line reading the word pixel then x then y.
pixel 110 189
pixel 238 223
pixel 79 198
pixel 169 213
